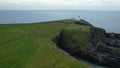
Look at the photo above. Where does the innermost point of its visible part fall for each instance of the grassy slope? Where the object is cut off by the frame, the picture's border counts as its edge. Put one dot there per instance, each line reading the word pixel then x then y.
pixel 30 46
pixel 75 37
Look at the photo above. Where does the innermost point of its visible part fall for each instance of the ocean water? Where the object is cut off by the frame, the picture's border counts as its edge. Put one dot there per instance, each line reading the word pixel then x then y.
pixel 109 20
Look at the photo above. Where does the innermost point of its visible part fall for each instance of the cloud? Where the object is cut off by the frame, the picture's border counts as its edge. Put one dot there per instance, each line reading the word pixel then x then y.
pixel 59 3
pixel 65 2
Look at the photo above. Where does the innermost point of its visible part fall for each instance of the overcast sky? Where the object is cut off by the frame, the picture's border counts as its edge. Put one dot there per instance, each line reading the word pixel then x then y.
pixel 60 4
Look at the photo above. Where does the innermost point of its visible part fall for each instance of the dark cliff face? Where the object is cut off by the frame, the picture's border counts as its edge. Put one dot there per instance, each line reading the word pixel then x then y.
pixel 96 45
pixel 106 47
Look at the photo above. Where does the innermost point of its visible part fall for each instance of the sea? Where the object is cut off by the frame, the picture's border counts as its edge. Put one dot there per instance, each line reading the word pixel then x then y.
pixel 109 20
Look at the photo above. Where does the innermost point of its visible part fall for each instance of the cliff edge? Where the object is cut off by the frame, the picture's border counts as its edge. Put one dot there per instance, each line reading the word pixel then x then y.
pixel 83 40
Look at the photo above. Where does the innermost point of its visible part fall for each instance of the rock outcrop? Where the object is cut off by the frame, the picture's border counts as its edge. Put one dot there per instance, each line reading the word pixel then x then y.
pixel 94 45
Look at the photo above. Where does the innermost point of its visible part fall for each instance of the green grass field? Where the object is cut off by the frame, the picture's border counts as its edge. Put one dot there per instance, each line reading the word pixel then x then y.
pixel 31 46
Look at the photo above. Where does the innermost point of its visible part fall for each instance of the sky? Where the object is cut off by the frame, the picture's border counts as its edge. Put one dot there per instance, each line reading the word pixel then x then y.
pixel 59 4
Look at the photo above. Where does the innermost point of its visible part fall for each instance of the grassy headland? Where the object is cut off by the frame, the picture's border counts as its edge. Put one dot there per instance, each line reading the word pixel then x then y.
pixel 31 45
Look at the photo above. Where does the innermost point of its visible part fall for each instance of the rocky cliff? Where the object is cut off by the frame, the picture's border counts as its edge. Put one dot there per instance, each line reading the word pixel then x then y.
pixel 90 43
